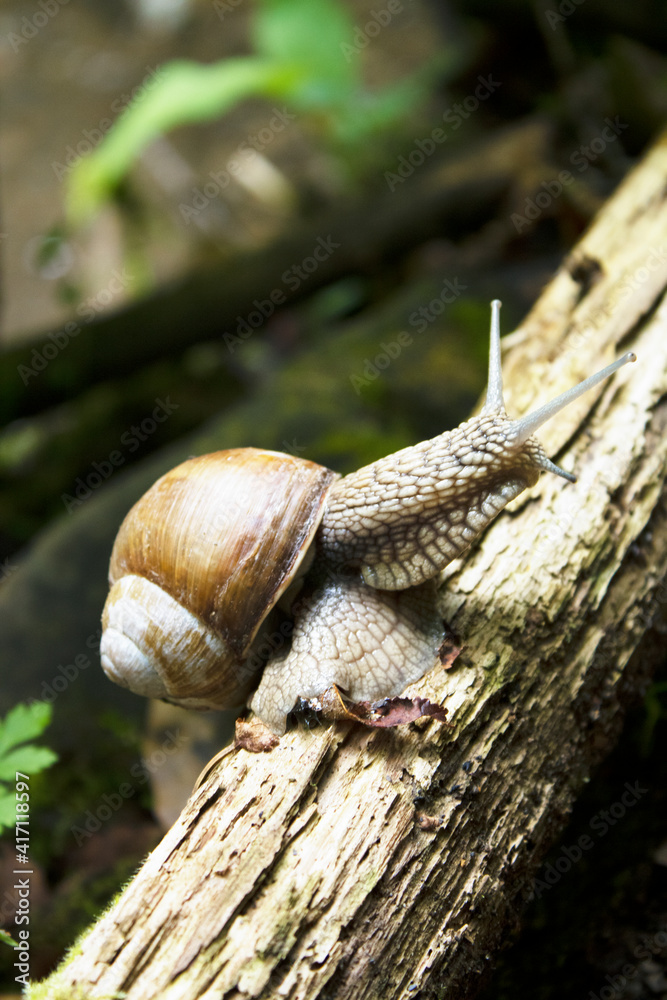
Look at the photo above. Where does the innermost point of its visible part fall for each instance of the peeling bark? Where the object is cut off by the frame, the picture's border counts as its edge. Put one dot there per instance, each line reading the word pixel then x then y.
pixel 349 863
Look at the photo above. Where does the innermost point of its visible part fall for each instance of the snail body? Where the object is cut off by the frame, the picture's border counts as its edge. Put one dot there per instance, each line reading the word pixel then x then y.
pixel 204 559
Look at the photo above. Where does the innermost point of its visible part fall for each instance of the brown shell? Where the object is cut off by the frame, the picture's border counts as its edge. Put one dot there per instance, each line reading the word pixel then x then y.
pixel 224 535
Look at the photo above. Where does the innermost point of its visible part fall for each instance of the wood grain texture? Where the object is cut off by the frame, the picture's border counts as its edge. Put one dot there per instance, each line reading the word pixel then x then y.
pixel 364 864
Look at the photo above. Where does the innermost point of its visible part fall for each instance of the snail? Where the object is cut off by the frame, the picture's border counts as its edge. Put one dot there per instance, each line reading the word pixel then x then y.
pixel 206 559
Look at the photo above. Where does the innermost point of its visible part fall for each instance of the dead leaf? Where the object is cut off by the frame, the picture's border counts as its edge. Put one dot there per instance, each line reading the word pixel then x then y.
pixel 380 714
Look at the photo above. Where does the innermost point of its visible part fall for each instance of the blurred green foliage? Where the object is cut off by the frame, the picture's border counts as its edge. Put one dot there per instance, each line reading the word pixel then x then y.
pixel 305 56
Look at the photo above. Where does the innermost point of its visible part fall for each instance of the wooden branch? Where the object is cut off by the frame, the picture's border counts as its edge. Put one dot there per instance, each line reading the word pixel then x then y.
pixel 350 863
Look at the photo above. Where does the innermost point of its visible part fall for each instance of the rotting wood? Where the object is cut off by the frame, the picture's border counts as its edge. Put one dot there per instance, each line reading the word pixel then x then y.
pixel 361 864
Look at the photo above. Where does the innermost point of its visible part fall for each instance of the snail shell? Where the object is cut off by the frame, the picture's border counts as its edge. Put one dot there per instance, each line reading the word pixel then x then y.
pixel 199 563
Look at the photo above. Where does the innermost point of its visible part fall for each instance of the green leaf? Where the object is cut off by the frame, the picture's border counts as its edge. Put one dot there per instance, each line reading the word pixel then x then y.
pixel 27 759
pixel 308 34
pixel 23 723
pixel 182 92
pixel 6 938
pixel 374 113
pixel 7 808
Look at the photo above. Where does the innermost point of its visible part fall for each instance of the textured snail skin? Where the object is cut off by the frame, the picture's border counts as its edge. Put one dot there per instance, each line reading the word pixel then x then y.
pixel 402 519
pixel 201 561
pixel 371 643
pixel 372 626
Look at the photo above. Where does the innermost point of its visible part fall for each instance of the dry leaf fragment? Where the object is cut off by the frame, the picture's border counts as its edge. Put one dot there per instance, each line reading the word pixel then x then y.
pixel 449 649
pixel 380 714
pixel 254 736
